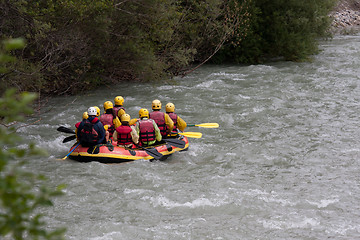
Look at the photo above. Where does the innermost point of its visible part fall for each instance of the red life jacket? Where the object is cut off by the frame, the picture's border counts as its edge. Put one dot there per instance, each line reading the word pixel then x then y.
pixel 159 118
pixel 117 108
pixel 107 119
pixel 124 136
pixel 173 117
pixel 88 133
pixel 146 131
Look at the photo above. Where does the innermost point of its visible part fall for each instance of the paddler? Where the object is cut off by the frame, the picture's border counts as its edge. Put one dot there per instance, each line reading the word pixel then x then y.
pixel 179 123
pixel 147 129
pixel 126 135
pixel 91 132
pixel 84 117
pixel 118 109
pixel 162 119
pixel 108 118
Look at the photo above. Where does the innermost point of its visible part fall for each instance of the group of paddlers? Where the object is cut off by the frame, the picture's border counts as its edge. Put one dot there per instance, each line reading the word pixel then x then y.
pixel 115 125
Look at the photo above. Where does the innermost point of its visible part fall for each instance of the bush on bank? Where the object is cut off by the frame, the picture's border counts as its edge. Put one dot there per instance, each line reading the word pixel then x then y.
pixel 77 45
pixel 22 194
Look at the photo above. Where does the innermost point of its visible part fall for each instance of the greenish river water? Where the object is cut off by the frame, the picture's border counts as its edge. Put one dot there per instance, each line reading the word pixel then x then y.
pixel 284 163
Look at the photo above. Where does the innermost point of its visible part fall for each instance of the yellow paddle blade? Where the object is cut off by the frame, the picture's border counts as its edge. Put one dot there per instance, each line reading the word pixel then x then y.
pixel 208 125
pixel 192 134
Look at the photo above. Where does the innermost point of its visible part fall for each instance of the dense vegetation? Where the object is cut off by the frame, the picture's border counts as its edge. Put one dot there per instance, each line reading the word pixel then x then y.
pixel 22 194
pixel 76 45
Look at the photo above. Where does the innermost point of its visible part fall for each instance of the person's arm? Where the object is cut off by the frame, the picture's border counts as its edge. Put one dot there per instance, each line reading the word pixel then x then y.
pixel 78 131
pixel 169 123
pixel 133 121
pixel 101 132
pixel 121 112
pixel 181 124
pixel 157 132
pixel 134 135
pixel 116 122
pixel 115 136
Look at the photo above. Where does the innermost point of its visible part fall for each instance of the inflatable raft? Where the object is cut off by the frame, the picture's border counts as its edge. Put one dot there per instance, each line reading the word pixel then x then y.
pixel 111 153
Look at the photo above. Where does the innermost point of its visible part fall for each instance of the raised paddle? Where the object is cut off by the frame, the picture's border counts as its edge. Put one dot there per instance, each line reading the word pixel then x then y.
pixel 65 130
pixel 204 125
pixel 70 151
pixel 70 138
pixel 191 134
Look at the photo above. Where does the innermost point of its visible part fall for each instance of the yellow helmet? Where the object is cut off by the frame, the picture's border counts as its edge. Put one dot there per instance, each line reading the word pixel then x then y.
pixel 156 104
pixel 108 105
pixel 119 100
pixel 143 113
pixel 170 107
pixel 85 115
pixel 125 118
pixel 97 110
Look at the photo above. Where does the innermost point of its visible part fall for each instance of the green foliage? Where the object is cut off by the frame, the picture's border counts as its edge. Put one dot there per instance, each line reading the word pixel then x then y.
pixel 282 28
pixel 20 198
pixel 76 45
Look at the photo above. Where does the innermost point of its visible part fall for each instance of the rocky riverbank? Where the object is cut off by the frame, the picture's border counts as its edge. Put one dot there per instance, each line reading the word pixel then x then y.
pixel 346 17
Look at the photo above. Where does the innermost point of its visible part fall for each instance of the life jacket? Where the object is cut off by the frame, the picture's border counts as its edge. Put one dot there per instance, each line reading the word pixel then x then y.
pixel 116 109
pixel 88 133
pixel 107 119
pixel 124 136
pixel 159 118
pixel 146 131
pixel 173 117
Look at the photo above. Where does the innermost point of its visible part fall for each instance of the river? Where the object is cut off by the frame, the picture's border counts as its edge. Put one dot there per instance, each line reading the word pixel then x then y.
pixel 284 163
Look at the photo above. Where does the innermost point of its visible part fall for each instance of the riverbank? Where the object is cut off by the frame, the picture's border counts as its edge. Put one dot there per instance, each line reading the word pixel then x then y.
pixel 346 17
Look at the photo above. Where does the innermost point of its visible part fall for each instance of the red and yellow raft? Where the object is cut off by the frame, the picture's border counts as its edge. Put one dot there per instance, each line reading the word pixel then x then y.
pixel 116 154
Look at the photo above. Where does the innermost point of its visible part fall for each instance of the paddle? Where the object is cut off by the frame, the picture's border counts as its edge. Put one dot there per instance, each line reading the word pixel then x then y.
pixel 174 142
pixel 204 125
pixel 152 152
pixel 65 130
pixel 70 138
pixel 70 152
pixel 191 134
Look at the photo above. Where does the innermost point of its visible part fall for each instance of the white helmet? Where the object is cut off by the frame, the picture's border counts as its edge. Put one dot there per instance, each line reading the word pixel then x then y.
pixel 92 111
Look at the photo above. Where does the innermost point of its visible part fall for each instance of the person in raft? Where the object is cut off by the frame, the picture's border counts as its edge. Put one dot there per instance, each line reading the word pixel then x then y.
pixel 162 119
pixel 108 119
pixel 147 129
pixel 179 123
pixel 118 109
pixel 84 117
pixel 125 135
pixel 91 132
pixel 97 111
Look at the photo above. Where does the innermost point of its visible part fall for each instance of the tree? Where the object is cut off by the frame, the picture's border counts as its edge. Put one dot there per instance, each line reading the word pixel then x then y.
pixel 19 198
pixel 281 28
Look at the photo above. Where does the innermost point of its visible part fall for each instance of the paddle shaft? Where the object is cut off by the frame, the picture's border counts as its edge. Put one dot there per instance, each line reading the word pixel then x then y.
pixel 70 138
pixel 204 125
pixel 71 151
pixel 155 154
pixel 65 130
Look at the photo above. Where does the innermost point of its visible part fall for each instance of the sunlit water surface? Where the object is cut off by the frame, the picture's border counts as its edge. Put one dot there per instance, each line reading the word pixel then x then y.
pixel 284 163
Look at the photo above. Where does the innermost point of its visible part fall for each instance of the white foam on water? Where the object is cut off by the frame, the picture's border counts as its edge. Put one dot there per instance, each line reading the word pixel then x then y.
pixel 288 224
pixel 208 84
pixel 109 236
pixel 258 109
pixel 275 199
pixel 135 191
pixel 243 97
pixel 323 203
pixel 163 201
